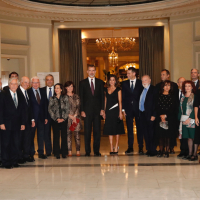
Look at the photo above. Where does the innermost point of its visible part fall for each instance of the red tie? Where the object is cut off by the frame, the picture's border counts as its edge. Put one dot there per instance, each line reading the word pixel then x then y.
pixel 92 87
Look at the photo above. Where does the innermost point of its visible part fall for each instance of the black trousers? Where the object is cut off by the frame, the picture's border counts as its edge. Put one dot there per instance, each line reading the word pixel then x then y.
pixel 10 147
pixel 147 130
pixel 129 122
pixel 47 136
pixel 92 120
pixel 25 141
pixel 39 125
pixel 184 146
pixel 60 128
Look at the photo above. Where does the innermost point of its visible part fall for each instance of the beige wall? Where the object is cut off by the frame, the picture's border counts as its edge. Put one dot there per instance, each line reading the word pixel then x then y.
pixel 28 42
pixel 184 45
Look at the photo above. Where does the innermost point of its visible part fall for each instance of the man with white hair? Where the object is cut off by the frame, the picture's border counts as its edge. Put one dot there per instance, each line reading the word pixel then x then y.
pixel 39 111
pixel 195 77
pixel 147 114
pixel 25 135
pixel 12 120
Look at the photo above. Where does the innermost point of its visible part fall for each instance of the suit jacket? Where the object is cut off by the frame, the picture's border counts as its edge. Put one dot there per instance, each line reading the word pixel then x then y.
pixel 39 111
pixel 27 107
pixel 150 102
pixel 197 85
pixel 11 116
pixel 91 103
pixel 6 88
pixel 47 100
pixel 130 101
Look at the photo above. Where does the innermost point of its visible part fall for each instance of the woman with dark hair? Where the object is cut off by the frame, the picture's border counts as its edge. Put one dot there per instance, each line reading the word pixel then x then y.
pixel 59 111
pixel 113 113
pixel 74 117
pixel 166 120
pixel 187 117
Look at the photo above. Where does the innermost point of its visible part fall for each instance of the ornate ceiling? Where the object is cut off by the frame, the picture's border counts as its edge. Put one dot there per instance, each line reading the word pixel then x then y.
pixel 138 11
pixel 94 2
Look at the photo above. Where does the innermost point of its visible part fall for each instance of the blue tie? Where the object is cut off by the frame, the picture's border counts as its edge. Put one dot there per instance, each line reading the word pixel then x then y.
pixel 50 93
pixel 132 88
pixel 143 99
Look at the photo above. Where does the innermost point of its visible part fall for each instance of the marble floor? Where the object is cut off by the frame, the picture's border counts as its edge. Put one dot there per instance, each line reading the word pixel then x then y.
pixel 122 177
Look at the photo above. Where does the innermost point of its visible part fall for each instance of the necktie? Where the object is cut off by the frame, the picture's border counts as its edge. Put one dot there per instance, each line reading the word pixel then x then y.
pixel 143 99
pixel 15 100
pixel 26 96
pixel 132 87
pixel 50 93
pixel 181 95
pixel 37 96
pixel 92 86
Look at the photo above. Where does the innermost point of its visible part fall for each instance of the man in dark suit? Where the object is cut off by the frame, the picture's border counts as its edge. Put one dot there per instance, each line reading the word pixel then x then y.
pixel 165 75
pixel 25 135
pixel 12 120
pixel 11 75
pixel 183 141
pixel 0 111
pixel 195 77
pixel 131 91
pixel 39 110
pixel 92 108
pixel 49 91
pixel 147 107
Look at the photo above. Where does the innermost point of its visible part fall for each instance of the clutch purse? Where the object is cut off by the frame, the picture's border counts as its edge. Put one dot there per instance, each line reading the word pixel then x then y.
pixel 74 125
pixel 164 125
pixel 184 118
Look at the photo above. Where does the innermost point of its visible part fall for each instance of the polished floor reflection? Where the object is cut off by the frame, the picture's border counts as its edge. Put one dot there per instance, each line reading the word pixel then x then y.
pixel 102 178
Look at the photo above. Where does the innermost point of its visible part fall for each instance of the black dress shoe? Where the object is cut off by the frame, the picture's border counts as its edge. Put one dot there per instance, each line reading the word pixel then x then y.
pixel 199 153
pixel 42 156
pixel 166 155
pixel 186 157
pixel 148 153
pixel 87 155
pixel 180 155
pixel 152 154
pixel 16 165
pixel 97 154
pixel 58 157
pixel 141 152
pixel 21 161
pixel 64 156
pixel 30 159
pixel 129 150
pixel 48 154
pixel 8 167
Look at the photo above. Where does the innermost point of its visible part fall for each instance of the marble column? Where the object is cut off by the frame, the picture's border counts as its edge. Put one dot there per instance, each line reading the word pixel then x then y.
pixel 84 57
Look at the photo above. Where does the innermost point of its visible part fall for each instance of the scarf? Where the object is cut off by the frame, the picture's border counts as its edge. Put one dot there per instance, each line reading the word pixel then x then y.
pixel 189 109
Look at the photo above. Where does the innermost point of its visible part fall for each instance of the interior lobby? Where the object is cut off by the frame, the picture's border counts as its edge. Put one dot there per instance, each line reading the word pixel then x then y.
pixel 32 33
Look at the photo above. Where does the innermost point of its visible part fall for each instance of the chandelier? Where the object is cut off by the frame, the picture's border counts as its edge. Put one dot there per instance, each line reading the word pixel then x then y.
pixel 113 58
pixel 123 44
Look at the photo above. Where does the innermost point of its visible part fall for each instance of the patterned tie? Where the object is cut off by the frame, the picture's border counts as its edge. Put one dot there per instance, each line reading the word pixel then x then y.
pixel 15 100
pixel 92 87
pixel 37 96
pixel 143 99
pixel 132 87
pixel 26 96
pixel 50 93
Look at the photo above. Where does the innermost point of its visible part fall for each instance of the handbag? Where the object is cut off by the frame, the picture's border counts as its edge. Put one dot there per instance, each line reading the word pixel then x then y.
pixel 164 125
pixel 74 125
pixel 184 118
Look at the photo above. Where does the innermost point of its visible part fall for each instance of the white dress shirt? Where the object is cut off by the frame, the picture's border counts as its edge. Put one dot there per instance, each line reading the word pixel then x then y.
pixel 134 81
pixel 23 91
pixel 12 94
pixel 93 81
pixel 52 90
pixel 195 82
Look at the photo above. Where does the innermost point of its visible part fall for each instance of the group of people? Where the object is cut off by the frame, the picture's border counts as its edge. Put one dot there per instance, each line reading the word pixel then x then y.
pixel 162 113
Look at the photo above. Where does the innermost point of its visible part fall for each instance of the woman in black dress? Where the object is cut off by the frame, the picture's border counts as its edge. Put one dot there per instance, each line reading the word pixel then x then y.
pixel 113 113
pixel 197 127
pixel 166 119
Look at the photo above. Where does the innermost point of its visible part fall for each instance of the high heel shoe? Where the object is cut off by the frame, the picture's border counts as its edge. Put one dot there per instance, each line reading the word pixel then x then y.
pixel 160 154
pixel 69 155
pixel 78 154
pixel 166 155
pixel 111 153
pixel 193 158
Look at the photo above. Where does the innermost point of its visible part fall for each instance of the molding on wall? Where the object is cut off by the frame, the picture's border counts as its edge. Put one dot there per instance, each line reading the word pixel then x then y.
pixel 14 47
pixel 196 43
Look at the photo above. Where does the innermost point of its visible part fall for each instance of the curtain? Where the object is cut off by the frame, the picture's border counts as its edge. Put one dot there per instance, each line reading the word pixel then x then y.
pixel 71 65
pixel 151 52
